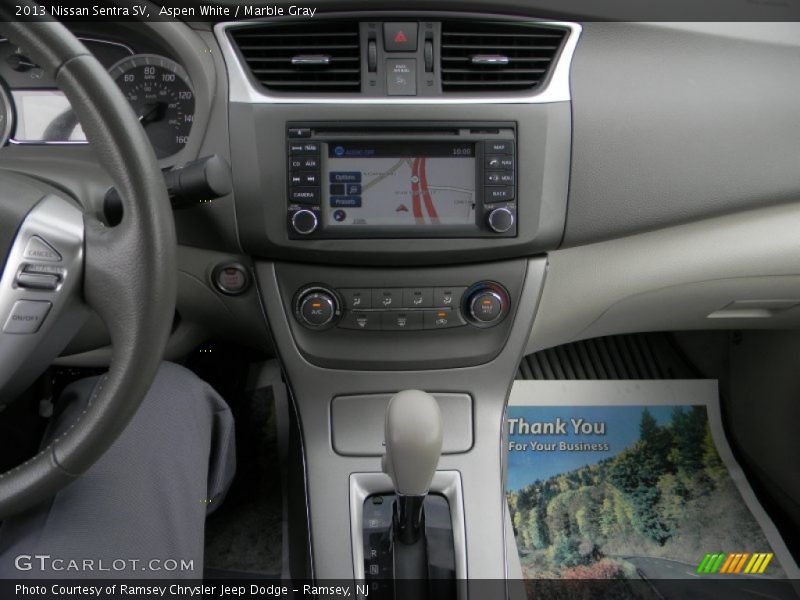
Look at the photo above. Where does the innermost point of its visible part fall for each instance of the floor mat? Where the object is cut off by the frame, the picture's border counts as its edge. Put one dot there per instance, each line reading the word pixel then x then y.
pixel 632 356
pixel 244 535
pixel 634 480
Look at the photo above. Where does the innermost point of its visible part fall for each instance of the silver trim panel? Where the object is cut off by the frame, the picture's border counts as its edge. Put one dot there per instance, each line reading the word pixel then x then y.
pixel 242 89
pixel 24 356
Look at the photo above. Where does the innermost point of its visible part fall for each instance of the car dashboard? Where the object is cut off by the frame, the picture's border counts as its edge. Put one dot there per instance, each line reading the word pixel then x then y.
pixel 419 199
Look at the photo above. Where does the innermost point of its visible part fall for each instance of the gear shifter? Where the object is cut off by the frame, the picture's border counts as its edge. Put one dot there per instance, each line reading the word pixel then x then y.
pixel 413 445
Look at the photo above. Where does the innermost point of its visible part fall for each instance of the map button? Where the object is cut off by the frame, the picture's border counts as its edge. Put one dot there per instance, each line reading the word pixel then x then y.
pixel 500 147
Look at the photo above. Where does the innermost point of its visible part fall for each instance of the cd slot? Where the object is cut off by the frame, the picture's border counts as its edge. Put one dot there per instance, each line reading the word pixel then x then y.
pixel 405 132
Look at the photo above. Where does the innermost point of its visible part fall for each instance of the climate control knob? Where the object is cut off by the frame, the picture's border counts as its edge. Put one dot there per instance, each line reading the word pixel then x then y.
pixel 486 307
pixel 500 220
pixel 487 303
pixel 304 222
pixel 316 308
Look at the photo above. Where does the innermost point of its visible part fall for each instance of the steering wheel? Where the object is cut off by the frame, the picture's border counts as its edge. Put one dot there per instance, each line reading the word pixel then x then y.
pixel 57 262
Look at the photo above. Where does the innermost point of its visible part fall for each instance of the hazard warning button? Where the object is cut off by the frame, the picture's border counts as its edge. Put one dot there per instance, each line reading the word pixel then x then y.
pixel 400 37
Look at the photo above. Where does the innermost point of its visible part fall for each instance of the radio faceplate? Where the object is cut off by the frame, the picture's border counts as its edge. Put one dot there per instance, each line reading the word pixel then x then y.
pixel 428 180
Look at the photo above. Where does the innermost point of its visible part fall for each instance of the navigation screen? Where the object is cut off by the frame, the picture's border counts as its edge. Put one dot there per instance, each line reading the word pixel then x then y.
pixel 399 184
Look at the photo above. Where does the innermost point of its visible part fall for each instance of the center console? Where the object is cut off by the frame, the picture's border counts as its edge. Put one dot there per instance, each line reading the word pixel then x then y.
pixel 341 380
pixel 403 243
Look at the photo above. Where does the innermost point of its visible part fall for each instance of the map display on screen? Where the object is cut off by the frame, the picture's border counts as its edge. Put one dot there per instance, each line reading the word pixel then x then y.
pixel 399 185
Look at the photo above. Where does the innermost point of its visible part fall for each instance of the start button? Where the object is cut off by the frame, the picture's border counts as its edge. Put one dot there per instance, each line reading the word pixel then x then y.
pixel 231 278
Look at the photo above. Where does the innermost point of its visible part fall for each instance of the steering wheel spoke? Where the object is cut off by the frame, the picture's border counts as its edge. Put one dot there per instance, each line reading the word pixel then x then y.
pixel 41 307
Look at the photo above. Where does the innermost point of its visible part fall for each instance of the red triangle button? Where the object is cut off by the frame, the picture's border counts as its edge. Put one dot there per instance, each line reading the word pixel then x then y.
pixel 401 37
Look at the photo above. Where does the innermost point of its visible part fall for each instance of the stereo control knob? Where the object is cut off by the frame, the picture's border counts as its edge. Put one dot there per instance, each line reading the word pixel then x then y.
pixel 317 308
pixel 500 220
pixel 486 304
pixel 304 221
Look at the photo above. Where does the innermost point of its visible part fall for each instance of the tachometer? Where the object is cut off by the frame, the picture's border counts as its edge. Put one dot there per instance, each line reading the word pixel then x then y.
pixel 6 115
pixel 161 95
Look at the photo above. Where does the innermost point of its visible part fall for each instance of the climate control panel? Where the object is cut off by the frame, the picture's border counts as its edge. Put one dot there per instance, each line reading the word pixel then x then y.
pixel 400 317
pixel 483 304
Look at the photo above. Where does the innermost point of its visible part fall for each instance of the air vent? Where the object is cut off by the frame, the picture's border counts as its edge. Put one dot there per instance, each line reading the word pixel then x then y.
pixel 303 57
pixel 481 56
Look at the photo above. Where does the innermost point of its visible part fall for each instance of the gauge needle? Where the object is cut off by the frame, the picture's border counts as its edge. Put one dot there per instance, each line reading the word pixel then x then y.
pixel 152 112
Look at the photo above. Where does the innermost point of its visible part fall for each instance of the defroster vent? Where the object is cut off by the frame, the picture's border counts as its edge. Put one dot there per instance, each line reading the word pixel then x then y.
pixel 303 57
pixel 489 56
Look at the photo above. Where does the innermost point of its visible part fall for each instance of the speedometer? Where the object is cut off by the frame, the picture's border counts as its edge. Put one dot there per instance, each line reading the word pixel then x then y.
pixel 161 95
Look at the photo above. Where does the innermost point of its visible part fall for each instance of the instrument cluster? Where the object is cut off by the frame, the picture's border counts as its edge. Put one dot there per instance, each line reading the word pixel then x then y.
pixel 33 111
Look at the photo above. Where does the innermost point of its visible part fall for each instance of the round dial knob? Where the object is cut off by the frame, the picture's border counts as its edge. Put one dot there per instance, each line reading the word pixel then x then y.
pixel 304 221
pixel 500 220
pixel 486 306
pixel 487 303
pixel 317 308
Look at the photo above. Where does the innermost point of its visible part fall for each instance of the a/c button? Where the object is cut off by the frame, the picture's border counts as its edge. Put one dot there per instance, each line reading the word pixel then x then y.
pixel 27 316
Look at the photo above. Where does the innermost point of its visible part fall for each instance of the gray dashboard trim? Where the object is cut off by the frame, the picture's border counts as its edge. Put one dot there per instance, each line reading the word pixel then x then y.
pixel 241 88
pixel 673 279
pixel 671 125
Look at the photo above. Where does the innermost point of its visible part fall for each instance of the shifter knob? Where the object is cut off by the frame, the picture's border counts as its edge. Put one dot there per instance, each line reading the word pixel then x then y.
pixel 413 441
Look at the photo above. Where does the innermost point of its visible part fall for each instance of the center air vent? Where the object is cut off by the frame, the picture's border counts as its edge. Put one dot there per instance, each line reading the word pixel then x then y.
pixel 487 56
pixel 303 57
